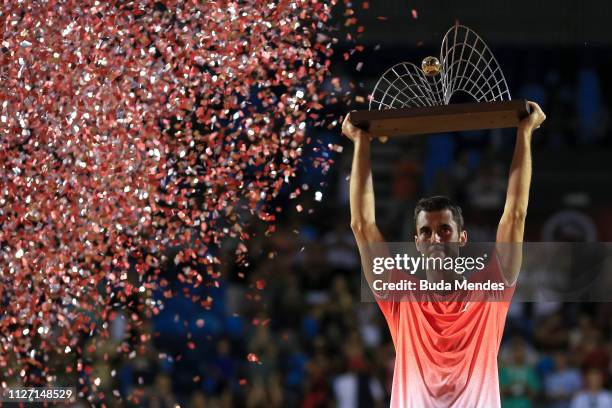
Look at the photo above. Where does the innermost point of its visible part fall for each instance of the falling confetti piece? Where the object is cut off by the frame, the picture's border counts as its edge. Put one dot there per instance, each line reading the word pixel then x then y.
pixel 252 357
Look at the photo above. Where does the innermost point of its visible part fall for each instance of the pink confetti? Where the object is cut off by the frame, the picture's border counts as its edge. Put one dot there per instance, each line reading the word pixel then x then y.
pixel 252 357
pixel 126 129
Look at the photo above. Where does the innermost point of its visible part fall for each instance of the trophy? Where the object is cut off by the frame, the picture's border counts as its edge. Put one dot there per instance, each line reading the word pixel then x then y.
pixel 412 100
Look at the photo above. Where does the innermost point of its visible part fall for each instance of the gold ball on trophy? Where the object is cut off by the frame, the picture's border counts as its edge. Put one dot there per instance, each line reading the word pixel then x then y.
pixel 431 66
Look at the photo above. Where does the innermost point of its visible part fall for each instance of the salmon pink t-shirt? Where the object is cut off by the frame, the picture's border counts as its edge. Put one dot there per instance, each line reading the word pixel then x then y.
pixel 446 352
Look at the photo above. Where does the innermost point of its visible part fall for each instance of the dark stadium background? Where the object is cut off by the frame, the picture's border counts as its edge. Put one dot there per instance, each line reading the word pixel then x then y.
pixel 296 310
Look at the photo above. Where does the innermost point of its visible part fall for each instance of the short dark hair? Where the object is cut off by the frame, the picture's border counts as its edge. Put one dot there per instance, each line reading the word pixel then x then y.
pixel 439 203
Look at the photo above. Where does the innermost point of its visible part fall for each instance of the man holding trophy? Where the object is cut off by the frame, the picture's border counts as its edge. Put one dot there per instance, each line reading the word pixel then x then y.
pixel 446 352
pixel 446 345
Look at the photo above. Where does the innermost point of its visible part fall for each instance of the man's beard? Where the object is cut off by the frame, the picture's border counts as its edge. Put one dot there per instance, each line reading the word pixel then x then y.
pixel 439 252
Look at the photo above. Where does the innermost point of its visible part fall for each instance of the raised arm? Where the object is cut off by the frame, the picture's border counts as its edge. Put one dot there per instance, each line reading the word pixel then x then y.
pixel 512 224
pixel 363 218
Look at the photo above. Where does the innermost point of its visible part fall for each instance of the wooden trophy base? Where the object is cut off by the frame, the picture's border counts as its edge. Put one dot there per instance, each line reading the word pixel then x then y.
pixel 441 119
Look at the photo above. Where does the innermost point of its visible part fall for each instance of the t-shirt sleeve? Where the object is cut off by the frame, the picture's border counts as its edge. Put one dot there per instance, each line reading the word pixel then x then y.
pixel 389 302
pixel 493 272
pixel 391 310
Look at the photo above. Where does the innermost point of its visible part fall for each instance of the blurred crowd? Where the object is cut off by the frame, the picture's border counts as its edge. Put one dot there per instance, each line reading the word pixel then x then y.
pixel 287 327
pixel 294 332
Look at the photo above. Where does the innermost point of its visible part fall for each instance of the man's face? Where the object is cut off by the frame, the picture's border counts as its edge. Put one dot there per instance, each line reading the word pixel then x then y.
pixel 437 232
